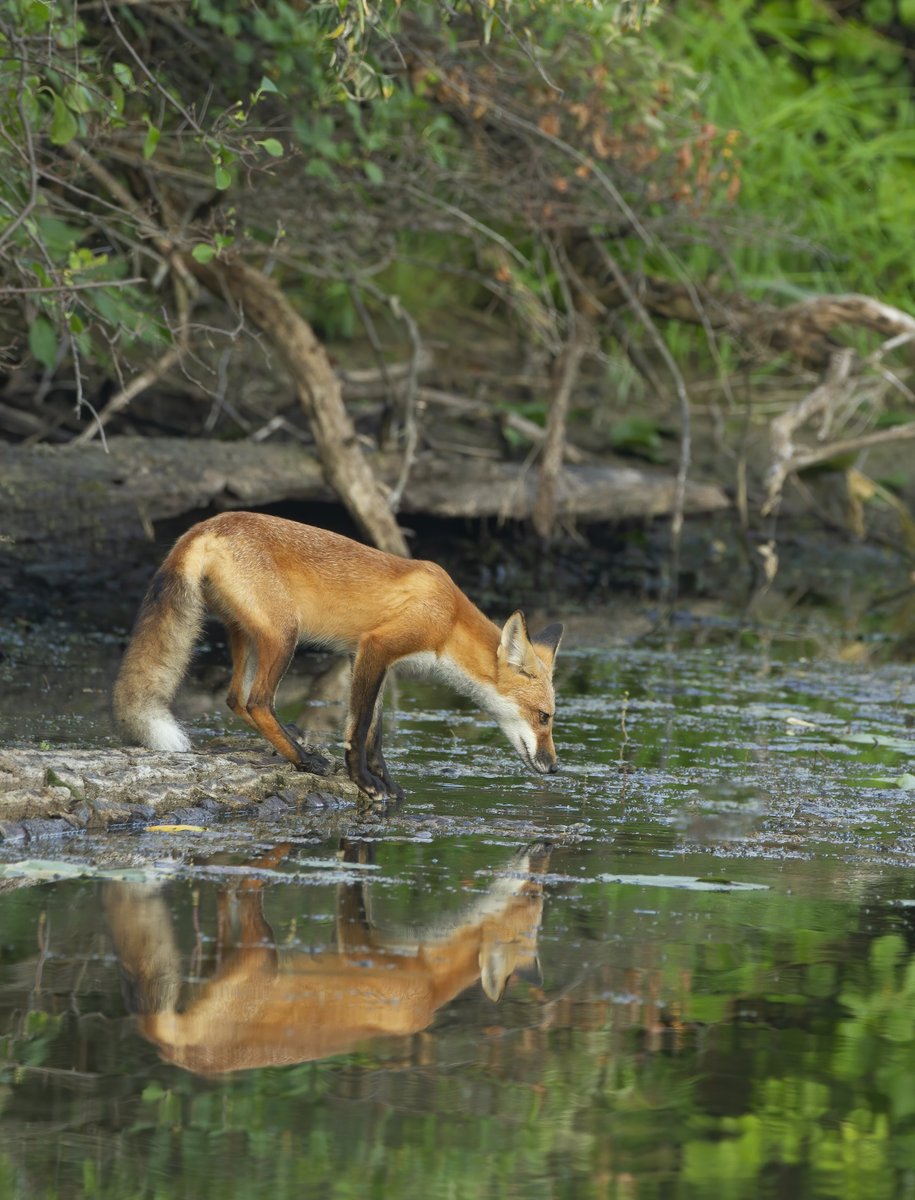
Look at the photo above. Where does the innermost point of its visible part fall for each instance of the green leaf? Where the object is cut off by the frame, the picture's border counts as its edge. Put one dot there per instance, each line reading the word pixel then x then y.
pixel 37 14
pixel 79 98
pixel 58 236
pixel 123 75
pixel 316 168
pixel 203 252
pixel 63 123
pixel 43 342
pixel 639 436
pixel 373 172
pixel 273 146
pixel 267 85
pixel 151 141
pixel 222 178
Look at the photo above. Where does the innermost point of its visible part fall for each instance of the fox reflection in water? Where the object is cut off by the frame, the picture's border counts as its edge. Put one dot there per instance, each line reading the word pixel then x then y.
pixel 267 1006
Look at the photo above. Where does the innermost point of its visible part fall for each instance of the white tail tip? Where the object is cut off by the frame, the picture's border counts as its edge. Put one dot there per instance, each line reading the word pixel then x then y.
pixel 162 732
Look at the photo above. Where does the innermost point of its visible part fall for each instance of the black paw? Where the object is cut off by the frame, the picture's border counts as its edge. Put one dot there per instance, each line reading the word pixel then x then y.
pixel 318 764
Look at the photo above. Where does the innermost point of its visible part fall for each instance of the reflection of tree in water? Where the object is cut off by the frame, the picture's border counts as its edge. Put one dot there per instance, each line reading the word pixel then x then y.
pixel 676 1038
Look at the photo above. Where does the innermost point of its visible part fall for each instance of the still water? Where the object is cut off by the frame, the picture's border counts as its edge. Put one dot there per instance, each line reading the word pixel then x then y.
pixel 682 968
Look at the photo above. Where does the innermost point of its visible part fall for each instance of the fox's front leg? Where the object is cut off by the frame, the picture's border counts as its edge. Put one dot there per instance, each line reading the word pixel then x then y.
pixel 369 669
pixel 374 756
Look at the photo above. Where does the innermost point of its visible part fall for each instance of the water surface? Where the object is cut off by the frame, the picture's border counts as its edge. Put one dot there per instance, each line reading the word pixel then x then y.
pixel 683 967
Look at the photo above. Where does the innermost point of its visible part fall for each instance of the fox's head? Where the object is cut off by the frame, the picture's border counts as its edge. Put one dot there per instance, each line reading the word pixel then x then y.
pixel 524 701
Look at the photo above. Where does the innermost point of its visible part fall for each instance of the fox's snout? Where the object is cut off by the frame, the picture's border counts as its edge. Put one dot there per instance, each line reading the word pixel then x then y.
pixel 546 763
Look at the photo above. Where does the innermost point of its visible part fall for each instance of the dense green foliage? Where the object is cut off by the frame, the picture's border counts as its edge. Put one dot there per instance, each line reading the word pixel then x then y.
pixel 348 141
pixel 352 141
pixel 396 167
pixel 822 97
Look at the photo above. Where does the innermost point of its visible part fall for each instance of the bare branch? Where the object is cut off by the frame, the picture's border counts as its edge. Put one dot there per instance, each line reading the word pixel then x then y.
pixel 72 287
pixel 543 515
pixel 676 521
pixel 826 395
pixel 121 399
pixel 128 46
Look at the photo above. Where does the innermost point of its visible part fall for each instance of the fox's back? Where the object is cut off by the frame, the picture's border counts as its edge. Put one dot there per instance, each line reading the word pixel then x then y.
pixel 336 589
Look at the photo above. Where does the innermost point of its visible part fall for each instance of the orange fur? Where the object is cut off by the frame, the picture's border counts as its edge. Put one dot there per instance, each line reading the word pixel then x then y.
pixel 275 583
pixel 265 1006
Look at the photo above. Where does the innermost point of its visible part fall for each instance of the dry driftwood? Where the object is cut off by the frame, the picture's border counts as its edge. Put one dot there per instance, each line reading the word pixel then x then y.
pixel 586 492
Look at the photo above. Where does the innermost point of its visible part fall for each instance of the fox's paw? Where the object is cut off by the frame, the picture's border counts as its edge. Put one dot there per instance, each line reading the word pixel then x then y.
pixel 394 790
pixel 318 764
pixel 376 789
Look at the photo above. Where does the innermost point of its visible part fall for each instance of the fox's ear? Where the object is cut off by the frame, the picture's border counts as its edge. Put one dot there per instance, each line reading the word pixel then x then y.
pixel 549 639
pixel 515 643
pixel 495 971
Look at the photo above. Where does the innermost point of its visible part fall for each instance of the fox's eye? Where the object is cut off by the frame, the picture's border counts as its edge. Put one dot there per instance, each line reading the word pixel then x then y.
pixel 545 718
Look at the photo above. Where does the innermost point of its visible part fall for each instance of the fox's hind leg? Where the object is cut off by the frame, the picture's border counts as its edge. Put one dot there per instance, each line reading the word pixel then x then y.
pixel 259 662
pixel 244 667
pixel 272 652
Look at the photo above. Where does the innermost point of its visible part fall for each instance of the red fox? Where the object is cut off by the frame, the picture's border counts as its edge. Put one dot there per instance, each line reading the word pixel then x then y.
pixel 275 583
pixel 266 1005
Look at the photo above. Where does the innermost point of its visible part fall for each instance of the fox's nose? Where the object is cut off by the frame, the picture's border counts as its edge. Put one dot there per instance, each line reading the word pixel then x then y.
pixel 546 763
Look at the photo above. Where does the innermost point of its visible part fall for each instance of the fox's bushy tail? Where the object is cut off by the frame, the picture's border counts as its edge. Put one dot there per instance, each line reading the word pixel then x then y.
pixel 161 644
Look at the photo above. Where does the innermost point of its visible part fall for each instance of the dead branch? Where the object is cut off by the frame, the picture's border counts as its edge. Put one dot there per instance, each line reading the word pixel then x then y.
pixel 803 330
pixel 369 382
pixel 543 515
pixel 120 400
pixel 880 437
pixel 318 388
pixel 644 317
pixel 412 406
pixel 823 399
pixel 476 409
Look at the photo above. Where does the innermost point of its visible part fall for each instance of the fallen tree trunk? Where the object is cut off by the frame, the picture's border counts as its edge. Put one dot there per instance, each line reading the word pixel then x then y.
pixel 73 513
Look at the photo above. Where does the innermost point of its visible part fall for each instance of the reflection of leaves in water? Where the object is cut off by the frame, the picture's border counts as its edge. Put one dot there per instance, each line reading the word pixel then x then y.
pixel 882 1011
